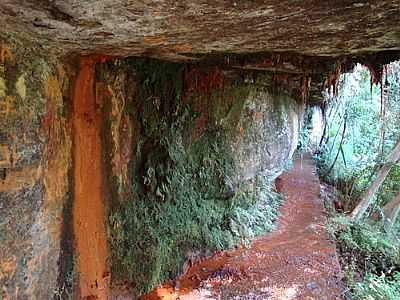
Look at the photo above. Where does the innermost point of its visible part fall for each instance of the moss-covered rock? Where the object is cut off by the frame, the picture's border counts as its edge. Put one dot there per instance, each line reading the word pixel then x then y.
pixel 199 178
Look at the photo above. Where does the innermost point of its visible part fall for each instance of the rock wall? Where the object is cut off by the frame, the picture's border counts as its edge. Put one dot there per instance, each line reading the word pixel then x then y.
pixel 318 126
pixel 148 164
pixel 35 160
pixel 268 134
pixel 262 125
pixel 163 119
pixel 166 161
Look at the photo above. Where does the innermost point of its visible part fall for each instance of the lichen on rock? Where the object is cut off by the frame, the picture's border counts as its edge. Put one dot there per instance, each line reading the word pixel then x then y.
pixel 35 161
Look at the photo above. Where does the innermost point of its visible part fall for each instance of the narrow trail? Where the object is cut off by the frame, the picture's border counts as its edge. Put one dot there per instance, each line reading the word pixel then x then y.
pixel 297 261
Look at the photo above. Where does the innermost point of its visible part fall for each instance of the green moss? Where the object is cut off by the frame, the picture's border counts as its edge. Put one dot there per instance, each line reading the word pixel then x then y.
pixel 184 199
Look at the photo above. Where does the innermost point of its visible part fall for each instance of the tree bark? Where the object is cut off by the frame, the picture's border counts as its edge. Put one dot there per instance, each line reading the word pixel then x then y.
pixel 391 211
pixel 383 171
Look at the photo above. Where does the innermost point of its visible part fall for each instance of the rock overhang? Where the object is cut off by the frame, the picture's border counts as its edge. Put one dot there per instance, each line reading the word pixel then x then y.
pixel 301 39
pixel 185 28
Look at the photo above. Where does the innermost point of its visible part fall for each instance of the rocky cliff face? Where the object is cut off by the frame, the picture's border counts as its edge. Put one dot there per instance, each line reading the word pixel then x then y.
pixel 268 134
pixel 156 129
pixel 193 143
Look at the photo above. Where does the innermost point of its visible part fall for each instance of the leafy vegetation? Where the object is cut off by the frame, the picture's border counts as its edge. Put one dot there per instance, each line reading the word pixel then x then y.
pixel 378 287
pixel 184 198
pixel 370 257
pixel 362 128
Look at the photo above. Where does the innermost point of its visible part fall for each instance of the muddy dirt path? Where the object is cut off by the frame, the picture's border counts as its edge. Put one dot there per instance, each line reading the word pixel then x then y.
pixel 297 261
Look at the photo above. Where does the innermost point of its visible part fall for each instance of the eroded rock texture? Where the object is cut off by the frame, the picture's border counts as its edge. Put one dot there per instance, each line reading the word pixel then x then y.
pixel 262 124
pixel 268 134
pixel 181 29
pixel 89 189
pixel 140 122
pixel 35 143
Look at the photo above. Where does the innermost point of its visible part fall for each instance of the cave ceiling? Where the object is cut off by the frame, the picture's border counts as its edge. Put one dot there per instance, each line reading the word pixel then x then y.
pixel 287 36
pixel 180 30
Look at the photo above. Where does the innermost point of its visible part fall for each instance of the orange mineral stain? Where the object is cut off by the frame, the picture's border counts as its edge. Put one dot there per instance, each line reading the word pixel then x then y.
pixel 89 209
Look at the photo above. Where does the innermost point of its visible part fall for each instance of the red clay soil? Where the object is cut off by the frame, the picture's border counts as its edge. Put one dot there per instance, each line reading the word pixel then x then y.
pixel 89 210
pixel 297 261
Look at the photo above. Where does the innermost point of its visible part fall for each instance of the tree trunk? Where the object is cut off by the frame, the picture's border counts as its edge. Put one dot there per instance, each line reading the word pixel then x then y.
pixel 340 147
pixel 383 171
pixel 391 211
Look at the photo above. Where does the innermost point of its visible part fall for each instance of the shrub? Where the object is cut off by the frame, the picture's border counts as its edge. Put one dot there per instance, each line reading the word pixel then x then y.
pixel 375 287
pixel 370 258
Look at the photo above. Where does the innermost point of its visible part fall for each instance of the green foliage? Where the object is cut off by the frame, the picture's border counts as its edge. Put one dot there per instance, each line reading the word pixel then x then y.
pixel 360 147
pixel 370 258
pixel 185 210
pixel 370 239
pixel 349 159
pixel 184 199
pixel 357 104
pixel 390 187
pixel 375 287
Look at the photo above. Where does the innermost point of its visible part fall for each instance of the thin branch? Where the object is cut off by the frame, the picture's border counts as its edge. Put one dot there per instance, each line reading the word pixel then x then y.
pixel 340 146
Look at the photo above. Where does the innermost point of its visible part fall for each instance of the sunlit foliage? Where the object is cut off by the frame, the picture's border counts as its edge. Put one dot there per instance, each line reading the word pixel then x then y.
pixel 362 126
